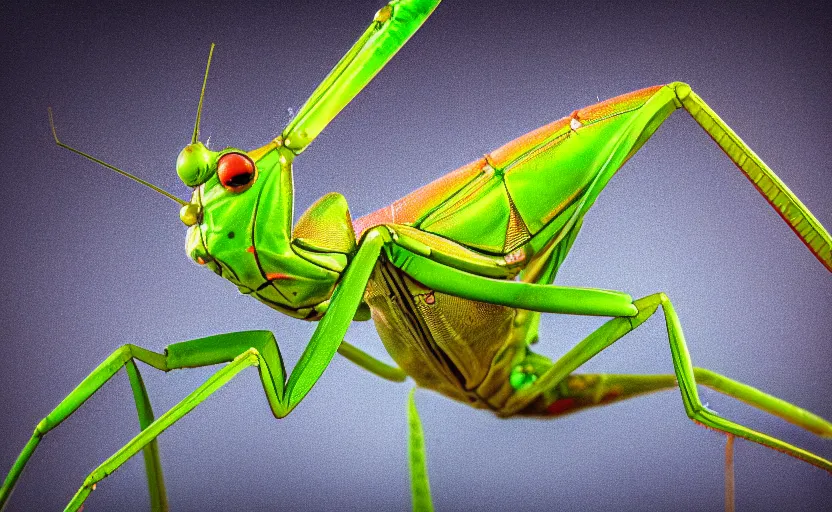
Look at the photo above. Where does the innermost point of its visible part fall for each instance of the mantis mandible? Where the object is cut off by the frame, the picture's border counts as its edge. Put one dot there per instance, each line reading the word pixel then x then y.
pixel 576 131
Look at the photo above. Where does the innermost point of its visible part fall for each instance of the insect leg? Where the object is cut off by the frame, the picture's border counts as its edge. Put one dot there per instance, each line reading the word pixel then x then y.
pixel 530 296
pixel 783 200
pixel 123 356
pixel 370 363
pixel 283 394
pixel 419 484
pixel 580 391
pixel 250 357
pixel 585 301
pixel 200 352
pixel 687 377
pixel 390 29
pixel 152 461
pixel 542 270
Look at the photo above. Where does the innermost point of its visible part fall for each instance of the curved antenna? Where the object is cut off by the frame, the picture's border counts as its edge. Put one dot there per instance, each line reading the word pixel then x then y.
pixel 202 95
pixel 105 164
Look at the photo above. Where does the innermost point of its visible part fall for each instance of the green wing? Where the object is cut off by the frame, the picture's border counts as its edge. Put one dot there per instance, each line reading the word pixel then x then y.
pixel 391 28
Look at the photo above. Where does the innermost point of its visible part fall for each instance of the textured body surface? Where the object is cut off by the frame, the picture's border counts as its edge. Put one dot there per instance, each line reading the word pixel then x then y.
pixel 445 343
pixel 681 220
pixel 539 184
pixel 514 191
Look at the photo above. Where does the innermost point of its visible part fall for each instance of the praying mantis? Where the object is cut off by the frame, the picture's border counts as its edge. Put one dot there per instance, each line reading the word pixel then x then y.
pixel 552 423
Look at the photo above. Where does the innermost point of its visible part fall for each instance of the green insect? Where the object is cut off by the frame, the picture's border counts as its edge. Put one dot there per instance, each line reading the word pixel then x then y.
pixel 455 275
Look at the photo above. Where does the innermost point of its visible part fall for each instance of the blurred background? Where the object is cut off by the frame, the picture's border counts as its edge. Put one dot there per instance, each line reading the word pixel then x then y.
pixel 92 260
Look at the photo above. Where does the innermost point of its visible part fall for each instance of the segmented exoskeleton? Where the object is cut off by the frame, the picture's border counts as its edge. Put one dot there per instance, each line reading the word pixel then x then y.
pixel 455 275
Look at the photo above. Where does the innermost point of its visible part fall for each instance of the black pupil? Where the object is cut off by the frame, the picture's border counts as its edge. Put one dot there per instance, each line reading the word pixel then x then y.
pixel 240 179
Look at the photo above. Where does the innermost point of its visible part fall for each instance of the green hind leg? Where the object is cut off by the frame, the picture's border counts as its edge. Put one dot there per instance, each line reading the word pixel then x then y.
pixel 123 356
pixel 580 391
pixel 778 195
pixel 548 392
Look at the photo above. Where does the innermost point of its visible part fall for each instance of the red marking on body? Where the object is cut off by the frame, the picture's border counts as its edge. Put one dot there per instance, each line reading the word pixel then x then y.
pixel 611 395
pixel 250 249
pixel 277 275
pixel 617 105
pixel 430 299
pixel 560 406
pixel 510 151
pixel 200 260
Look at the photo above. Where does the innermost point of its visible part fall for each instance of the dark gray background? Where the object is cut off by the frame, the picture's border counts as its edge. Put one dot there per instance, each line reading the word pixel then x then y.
pixel 92 261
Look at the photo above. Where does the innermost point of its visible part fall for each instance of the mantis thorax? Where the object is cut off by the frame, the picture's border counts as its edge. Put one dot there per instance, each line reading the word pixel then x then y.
pixel 240 226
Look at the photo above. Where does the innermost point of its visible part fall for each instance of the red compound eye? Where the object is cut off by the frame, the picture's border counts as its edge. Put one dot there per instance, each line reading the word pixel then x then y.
pixel 235 171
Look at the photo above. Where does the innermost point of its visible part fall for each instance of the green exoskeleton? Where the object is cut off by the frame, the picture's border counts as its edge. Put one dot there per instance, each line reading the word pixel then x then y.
pixel 455 275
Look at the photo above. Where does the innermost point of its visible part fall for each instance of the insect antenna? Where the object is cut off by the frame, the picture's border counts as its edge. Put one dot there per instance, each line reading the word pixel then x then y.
pixel 105 164
pixel 202 95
